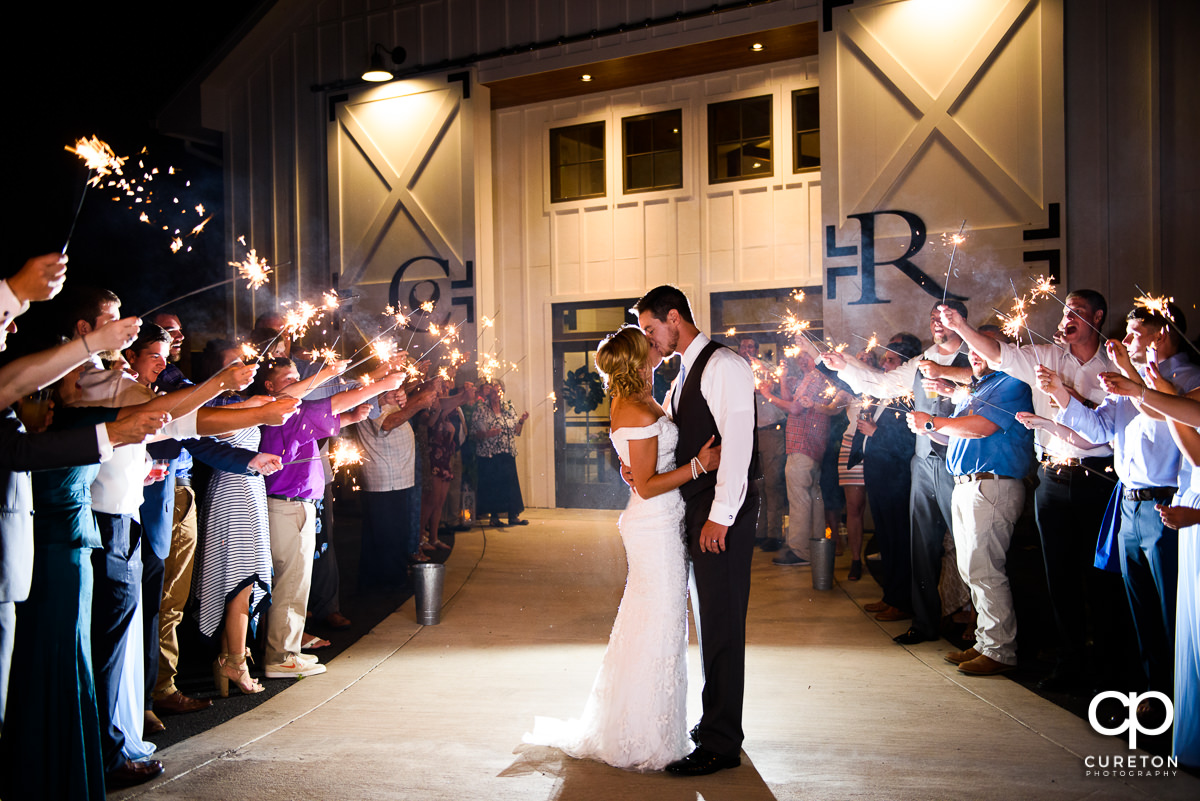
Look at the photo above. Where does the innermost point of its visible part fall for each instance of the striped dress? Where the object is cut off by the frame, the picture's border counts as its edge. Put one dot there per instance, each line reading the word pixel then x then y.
pixel 850 476
pixel 235 550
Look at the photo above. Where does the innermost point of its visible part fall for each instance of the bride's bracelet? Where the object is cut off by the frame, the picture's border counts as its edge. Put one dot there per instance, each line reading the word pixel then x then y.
pixel 697 468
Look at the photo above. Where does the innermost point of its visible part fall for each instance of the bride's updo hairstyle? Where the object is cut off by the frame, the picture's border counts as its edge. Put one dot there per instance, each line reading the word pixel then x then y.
pixel 621 358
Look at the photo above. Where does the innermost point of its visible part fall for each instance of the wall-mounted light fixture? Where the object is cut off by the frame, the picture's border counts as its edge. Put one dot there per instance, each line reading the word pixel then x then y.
pixel 376 72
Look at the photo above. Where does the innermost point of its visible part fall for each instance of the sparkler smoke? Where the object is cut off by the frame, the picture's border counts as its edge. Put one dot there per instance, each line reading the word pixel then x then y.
pixel 873 343
pixel 957 239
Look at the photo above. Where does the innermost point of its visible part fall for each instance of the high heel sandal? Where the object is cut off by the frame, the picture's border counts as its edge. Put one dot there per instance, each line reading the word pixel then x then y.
pixel 233 666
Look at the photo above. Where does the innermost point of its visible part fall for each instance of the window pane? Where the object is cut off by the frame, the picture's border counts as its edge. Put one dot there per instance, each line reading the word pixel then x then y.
pixel 756 118
pixel 592 179
pixel 808 111
pixel 640 172
pixel 568 148
pixel 639 137
pixel 667 131
pixel 568 181
pixel 727 160
pixel 668 170
pixel 754 162
pixel 726 125
pixel 809 150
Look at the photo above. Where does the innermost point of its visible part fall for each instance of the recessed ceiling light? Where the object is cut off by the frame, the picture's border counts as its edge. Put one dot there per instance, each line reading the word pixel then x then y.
pixel 585 78
pixel 756 47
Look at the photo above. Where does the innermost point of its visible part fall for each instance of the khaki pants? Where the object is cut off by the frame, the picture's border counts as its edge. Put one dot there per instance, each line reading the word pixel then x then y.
pixel 177 585
pixel 985 512
pixel 293 542
pixel 806 507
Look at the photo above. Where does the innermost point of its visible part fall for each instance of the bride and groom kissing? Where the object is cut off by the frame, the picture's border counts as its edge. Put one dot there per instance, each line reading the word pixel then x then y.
pixel 693 505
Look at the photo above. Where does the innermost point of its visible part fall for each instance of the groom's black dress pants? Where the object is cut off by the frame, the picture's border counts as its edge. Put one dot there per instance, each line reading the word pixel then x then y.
pixel 720 595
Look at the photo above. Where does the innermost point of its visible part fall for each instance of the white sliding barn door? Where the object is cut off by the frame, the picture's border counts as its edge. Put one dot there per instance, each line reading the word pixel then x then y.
pixel 933 113
pixel 402 197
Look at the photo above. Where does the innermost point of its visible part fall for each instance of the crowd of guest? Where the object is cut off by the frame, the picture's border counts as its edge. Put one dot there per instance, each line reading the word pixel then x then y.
pixel 106 539
pixel 946 442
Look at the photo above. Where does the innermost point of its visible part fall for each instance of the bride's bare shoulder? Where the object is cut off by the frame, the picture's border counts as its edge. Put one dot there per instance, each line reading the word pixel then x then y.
pixel 633 414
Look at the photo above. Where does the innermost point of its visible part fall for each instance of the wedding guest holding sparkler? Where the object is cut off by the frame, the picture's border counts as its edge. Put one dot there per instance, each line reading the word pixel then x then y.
pixel 802 396
pixel 989 455
pixel 169 520
pixel 886 446
pixel 51 746
pixel 1073 489
pixel 496 427
pixel 443 444
pixel 772 450
pixel 291 502
pixel 22 377
pixel 849 467
pixel 1158 396
pixel 1148 462
pixel 932 487
pixel 388 475
pixel 117 494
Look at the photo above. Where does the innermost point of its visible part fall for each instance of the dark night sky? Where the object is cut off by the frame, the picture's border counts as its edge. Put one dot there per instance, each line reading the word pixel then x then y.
pixel 108 74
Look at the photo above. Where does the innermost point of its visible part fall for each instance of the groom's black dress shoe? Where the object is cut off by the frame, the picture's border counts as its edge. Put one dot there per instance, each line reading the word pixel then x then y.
pixel 911 637
pixel 701 763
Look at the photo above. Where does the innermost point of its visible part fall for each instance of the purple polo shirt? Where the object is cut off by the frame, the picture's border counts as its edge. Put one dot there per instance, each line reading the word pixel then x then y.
pixel 297 439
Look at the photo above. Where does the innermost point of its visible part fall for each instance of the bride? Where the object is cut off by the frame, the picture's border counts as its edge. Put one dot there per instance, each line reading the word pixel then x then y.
pixel 635 716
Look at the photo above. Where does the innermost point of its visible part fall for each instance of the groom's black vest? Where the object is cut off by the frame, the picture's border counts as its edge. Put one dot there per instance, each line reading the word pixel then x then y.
pixel 696 424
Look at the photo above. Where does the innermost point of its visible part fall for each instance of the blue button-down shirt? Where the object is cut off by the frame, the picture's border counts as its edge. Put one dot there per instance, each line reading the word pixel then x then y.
pixel 1007 452
pixel 1144 453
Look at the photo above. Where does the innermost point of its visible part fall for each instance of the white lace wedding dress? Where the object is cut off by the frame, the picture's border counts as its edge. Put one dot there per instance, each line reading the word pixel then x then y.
pixel 636 716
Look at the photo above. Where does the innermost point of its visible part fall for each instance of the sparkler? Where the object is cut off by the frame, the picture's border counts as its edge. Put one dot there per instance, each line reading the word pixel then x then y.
pixel 873 343
pixel 1044 288
pixel 253 269
pixel 427 309
pixel 101 161
pixel 957 239
pixel 188 295
pixel 341 455
pixel 1057 463
pixel 1160 305
pixel 1006 318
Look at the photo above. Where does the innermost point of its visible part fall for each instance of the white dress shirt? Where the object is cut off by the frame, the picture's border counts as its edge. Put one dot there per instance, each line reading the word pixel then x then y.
pixel 117 488
pixel 10 309
pixel 1021 363
pixel 727 385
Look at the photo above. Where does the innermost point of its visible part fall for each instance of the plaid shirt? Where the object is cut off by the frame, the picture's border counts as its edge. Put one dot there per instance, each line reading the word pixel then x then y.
pixel 808 430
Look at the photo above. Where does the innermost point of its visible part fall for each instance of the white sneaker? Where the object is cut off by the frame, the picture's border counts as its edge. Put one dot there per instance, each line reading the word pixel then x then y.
pixel 295 666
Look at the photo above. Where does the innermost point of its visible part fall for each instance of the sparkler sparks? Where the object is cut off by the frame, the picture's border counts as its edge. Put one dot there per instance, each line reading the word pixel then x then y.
pixel 99 158
pixel 297 320
pixel 1156 304
pixel 957 239
pixel 254 270
pixel 1042 287
pixel 249 354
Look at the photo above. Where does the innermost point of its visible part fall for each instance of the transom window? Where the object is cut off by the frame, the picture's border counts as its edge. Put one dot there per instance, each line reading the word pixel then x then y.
pixel 739 139
pixel 806 118
pixel 577 162
pixel 653 151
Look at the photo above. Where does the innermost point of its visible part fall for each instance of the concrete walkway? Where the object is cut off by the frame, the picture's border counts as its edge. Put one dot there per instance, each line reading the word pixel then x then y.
pixel 834 709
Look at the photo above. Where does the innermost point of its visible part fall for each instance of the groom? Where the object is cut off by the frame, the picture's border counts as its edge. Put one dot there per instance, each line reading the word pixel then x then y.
pixel 713 395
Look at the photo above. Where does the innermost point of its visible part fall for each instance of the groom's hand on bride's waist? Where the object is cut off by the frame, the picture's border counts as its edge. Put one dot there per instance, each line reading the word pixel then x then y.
pixel 712 537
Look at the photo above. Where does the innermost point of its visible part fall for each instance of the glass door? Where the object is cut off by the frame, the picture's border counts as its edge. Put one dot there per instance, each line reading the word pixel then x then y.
pixel 587 472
